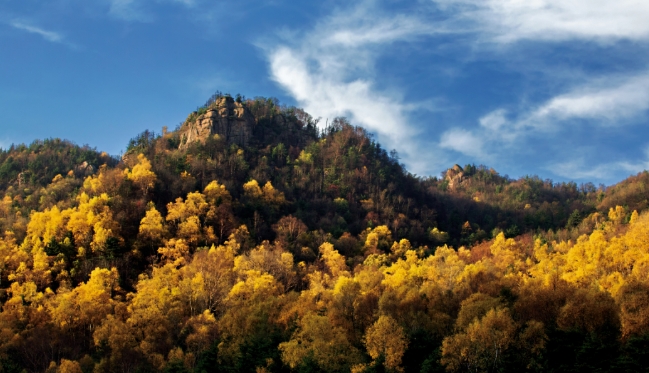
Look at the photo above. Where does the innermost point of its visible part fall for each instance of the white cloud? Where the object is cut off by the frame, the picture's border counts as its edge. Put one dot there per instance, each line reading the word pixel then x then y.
pixel 494 120
pixel 607 101
pixel 602 102
pixel 133 10
pixel 52 36
pixel 330 72
pixel 463 141
pixel 128 10
pixel 366 29
pixel 508 21
pixel 325 95
pixel 611 101
pixel 580 169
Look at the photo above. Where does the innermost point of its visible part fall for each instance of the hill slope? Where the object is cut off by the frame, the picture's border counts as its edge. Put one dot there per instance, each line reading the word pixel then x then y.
pixel 247 240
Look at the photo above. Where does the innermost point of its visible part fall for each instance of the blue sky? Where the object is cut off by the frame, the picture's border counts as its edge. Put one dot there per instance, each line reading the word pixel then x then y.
pixel 555 88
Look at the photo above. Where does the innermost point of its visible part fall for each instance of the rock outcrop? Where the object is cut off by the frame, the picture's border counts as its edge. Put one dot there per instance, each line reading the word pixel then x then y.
pixel 229 119
pixel 454 176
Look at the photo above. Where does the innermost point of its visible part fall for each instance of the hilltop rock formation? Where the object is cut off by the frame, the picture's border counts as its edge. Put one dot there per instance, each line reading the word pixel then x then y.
pixel 454 176
pixel 229 119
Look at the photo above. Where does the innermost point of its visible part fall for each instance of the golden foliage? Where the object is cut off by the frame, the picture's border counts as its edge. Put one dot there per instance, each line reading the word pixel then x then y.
pixel 481 345
pixel 152 225
pixel 68 366
pixel 326 345
pixel 213 285
pixel 141 174
pixel 386 339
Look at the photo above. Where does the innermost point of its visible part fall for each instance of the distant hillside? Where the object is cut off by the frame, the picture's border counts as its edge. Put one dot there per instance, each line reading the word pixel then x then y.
pixel 37 163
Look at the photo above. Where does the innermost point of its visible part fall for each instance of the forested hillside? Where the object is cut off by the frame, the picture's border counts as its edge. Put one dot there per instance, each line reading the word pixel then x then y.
pixel 272 246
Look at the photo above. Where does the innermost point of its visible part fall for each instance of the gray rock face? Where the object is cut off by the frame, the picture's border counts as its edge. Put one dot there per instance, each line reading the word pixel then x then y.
pixel 227 118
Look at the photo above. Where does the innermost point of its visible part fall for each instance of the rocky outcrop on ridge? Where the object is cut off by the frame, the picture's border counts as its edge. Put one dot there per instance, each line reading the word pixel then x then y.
pixel 227 118
pixel 454 176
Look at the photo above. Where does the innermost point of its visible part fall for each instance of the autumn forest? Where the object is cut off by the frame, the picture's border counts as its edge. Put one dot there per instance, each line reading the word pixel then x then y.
pixel 298 247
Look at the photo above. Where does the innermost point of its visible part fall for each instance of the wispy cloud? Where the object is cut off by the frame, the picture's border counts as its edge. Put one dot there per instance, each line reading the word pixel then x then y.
pixel 134 10
pixel 51 36
pixel 362 27
pixel 605 101
pixel 596 102
pixel 610 101
pixel 128 10
pixel 463 141
pixel 580 169
pixel 330 72
pixel 508 21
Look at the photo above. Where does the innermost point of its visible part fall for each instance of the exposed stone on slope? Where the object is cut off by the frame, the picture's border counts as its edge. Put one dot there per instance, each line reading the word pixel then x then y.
pixel 454 176
pixel 229 119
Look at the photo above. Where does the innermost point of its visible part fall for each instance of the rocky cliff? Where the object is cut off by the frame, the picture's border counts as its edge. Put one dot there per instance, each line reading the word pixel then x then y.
pixel 229 119
pixel 454 176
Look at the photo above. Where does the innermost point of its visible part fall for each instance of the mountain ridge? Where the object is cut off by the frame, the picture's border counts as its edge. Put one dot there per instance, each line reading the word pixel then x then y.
pixel 527 204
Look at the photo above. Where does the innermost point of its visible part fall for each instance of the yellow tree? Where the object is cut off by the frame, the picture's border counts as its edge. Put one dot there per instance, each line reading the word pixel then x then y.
pixel 193 205
pixel 174 252
pixel 343 304
pixel 220 212
pixel 152 225
pixel 189 218
pixel 156 312
pixel 334 262
pixel 141 174
pixel 8 251
pixel 399 249
pixel 272 196
pixel 378 240
pixel 25 327
pixel 43 228
pixel 216 269
pixel 121 339
pixel 633 301
pixel 5 207
pixel 474 308
pixel 252 308
pixel 386 339
pixel 69 366
pixel 507 255
pixel 203 331
pixel 480 347
pixel 443 268
pixel 585 261
pixel 88 304
pixel 92 222
pixel 267 195
pixel 270 259
pixel 316 339
pixel 252 190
